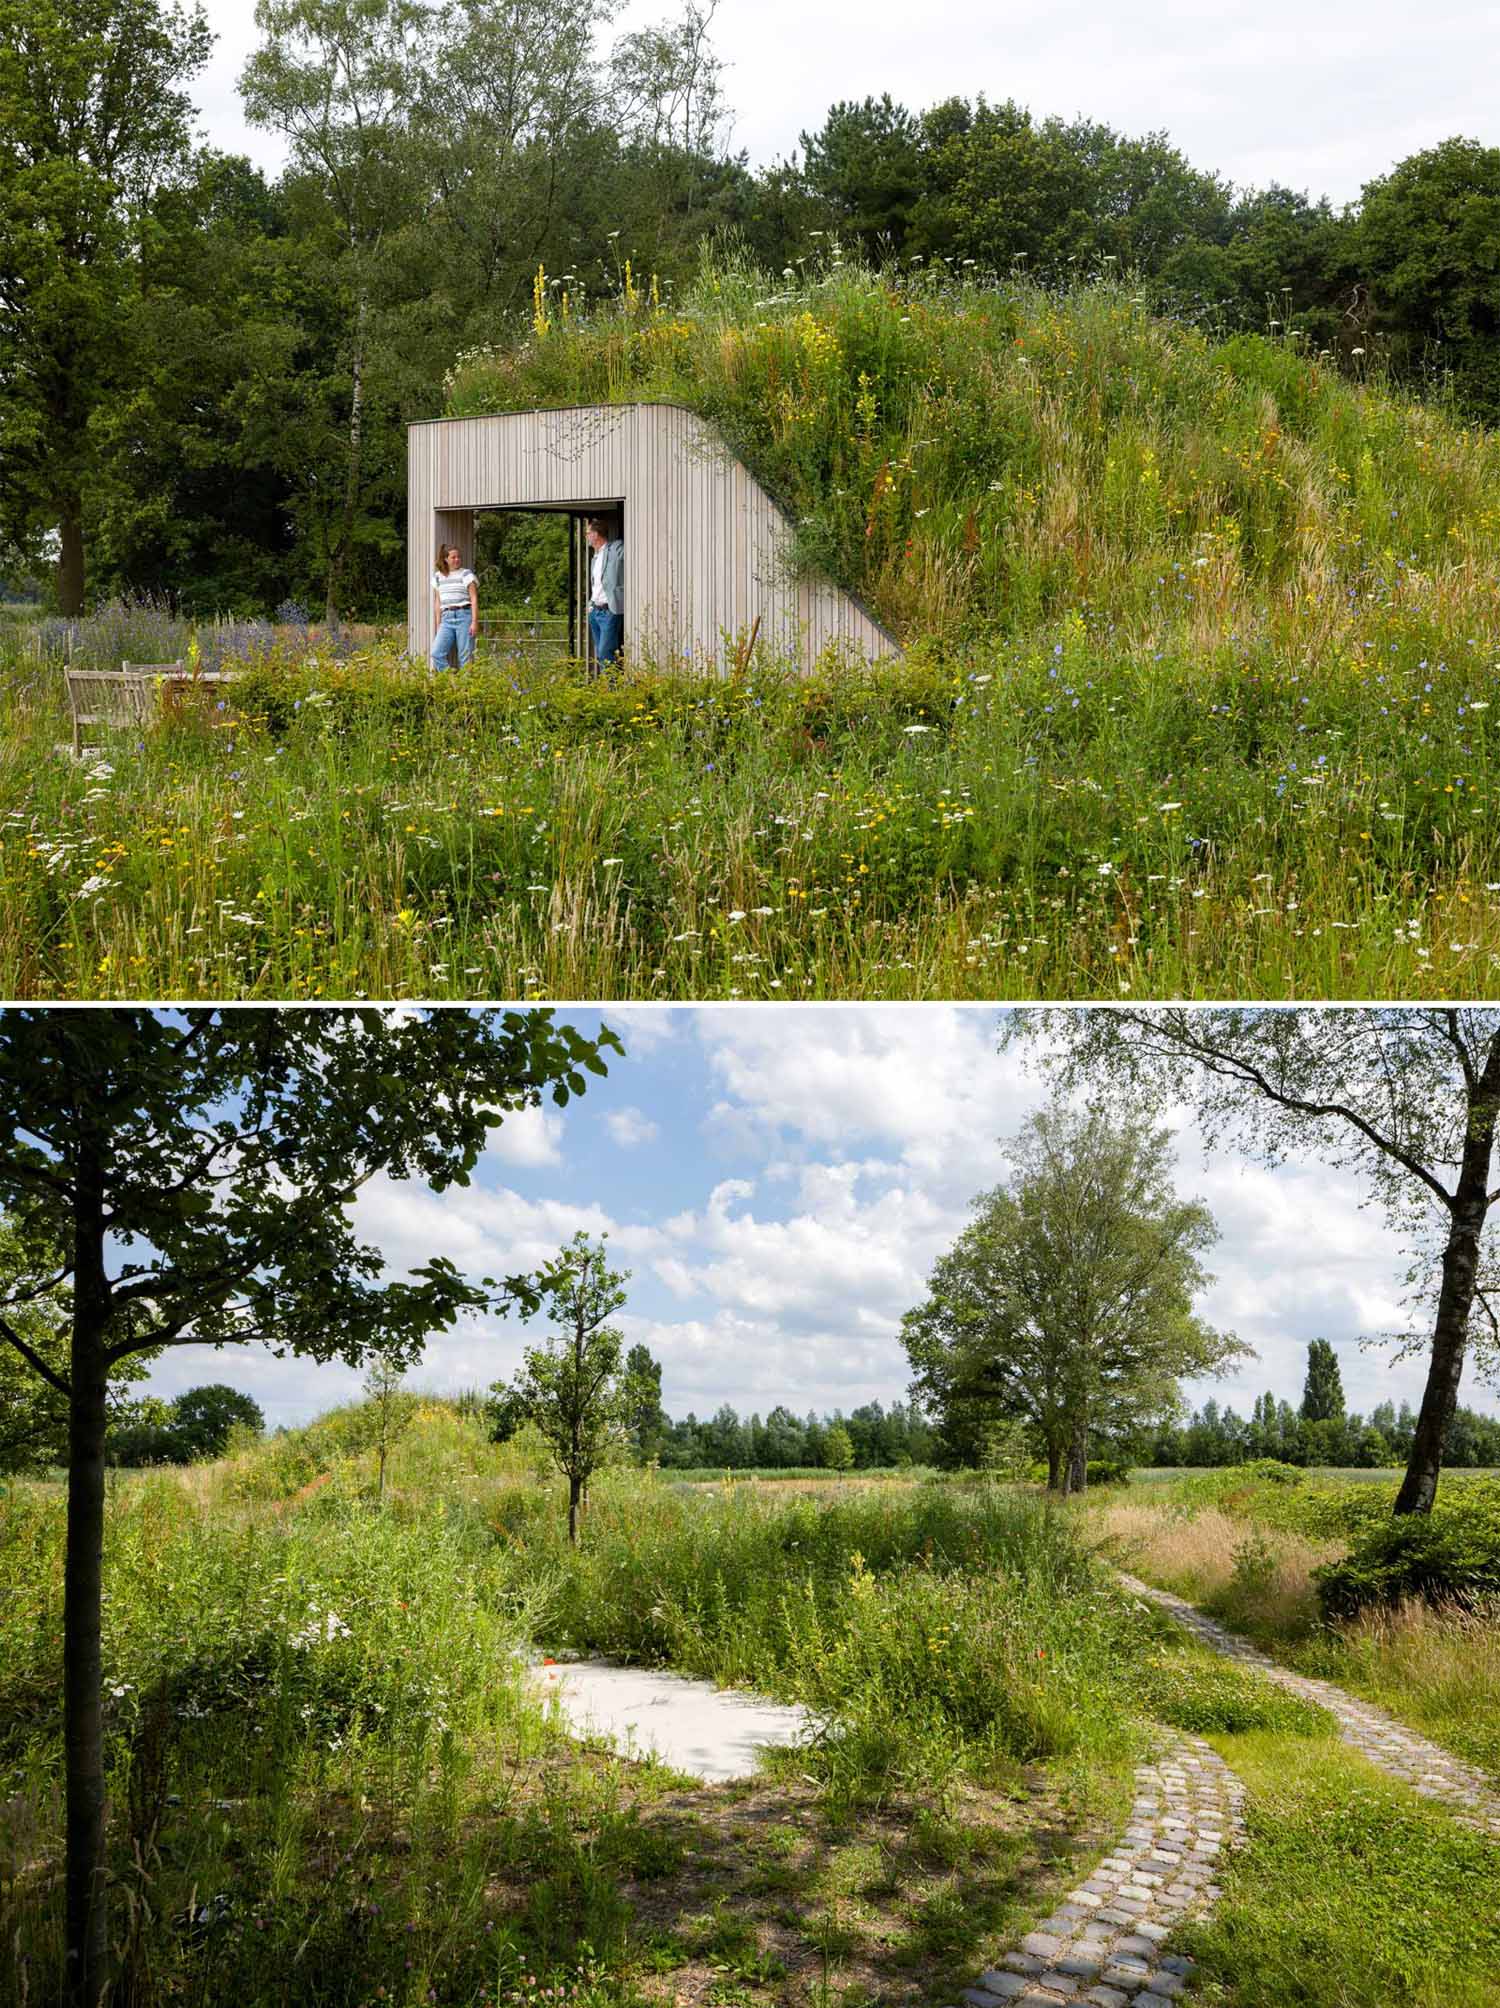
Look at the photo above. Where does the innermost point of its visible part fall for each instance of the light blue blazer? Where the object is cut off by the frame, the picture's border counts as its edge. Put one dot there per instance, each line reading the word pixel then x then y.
pixel 612 575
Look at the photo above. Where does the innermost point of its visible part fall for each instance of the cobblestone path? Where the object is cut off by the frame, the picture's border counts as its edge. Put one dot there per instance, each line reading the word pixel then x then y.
pixel 1385 1741
pixel 1104 1944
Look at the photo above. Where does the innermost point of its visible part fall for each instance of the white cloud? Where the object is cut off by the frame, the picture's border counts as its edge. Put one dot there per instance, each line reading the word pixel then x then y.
pixel 630 1128
pixel 861 1136
pixel 531 1136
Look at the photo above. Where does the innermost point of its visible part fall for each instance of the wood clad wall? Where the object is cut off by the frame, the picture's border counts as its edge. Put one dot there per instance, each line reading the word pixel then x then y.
pixel 705 546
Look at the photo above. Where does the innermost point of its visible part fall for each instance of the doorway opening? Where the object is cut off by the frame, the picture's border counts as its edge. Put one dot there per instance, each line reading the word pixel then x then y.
pixel 533 565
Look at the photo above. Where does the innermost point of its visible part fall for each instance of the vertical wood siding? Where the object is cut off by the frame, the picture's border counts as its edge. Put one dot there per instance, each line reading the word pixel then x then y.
pixel 706 549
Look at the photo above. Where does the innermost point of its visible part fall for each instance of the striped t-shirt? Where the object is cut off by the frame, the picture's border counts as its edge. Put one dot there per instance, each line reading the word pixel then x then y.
pixel 453 587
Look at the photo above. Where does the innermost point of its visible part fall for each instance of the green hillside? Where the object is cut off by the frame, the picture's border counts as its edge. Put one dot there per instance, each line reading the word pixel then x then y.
pixel 972 457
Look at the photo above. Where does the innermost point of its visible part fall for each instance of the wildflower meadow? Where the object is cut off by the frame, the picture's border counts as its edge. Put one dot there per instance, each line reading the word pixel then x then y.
pixel 334 1779
pixel 1197 699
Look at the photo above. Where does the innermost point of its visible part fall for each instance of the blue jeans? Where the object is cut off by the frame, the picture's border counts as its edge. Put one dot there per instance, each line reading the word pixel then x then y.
pixel 608 631
pixel 453 633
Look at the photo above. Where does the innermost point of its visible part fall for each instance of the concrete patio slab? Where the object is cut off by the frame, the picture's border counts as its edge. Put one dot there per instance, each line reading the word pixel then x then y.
pixel 709 1732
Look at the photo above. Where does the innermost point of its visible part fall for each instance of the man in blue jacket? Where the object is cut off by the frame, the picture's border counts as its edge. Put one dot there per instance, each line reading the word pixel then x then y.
pixel 606 589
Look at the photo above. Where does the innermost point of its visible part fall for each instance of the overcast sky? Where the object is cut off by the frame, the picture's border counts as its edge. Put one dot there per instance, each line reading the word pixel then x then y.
pixel 781 1180
pixel 1320 97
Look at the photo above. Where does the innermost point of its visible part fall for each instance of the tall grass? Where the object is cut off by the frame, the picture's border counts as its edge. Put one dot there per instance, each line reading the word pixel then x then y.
pixel 981 456
pixel 1027 823
pixel 1245 1549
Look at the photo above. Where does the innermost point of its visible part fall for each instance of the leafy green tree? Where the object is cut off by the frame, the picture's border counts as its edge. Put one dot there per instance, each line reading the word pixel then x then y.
pixel 392 1411
pixel 644 1417
pixel 838 1448
pixel 200 444
pixel 1323 1391
pixel 194 1174
pixel 572 1388
pixel 1068 1300
pixel 93 118
pixel 1429 245
pixel 204 1416
pixel 1407 1097
pixel 341 80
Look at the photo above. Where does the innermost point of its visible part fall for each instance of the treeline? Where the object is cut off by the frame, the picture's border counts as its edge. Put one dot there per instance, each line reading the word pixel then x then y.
pixel 869 1438
pixel 206 372
pixel 1214 1436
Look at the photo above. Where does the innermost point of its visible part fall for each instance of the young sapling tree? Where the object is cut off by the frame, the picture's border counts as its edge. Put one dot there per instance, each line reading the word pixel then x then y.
pixel 572 1388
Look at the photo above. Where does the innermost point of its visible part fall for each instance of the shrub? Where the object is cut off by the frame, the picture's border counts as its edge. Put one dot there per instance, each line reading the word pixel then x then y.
pixel 1108 1471
pixel 1451 1555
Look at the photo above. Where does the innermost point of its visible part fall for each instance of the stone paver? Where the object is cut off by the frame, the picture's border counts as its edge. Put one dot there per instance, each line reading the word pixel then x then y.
pixel 1401 1751
pixel 1105 1944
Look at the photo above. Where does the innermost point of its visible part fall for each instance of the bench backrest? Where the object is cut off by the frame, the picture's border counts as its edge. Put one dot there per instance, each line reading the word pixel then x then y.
pixel 109 696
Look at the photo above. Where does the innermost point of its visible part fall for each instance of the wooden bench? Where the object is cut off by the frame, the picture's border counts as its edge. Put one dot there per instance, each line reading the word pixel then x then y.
pixel 112 697
pixel 128 695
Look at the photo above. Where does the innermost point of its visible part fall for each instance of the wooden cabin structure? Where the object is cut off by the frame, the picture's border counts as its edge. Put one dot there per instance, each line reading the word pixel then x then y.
pixel 706 549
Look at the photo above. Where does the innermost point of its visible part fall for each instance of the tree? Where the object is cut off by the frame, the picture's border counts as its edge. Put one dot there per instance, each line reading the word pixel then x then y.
pixel 1323 1392
pixel 93 118
pixel 204 1417
pixel 838 1448
pixel 1429 245
pixel 865 162
pixel 1067 1301
pixel 194 1173
pixel 572 1388
pixel 391 1411
pixel 341 80
pixel 644 1418
pixel 1409 1098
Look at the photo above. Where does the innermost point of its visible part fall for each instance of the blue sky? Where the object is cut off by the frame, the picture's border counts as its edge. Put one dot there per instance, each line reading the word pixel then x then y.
pixel 1318 98
pixel 780 1181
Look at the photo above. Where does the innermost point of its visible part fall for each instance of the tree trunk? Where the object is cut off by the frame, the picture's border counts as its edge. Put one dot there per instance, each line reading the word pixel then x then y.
pixel 1460 1274
pixel 345 542
pixel 83 1715
pixel 575 1493
pixel 1054 1465
pixel 1078 1459
pixel 70 562
pixel 1450 1334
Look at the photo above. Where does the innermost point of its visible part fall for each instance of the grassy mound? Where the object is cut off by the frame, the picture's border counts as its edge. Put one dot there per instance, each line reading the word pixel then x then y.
pixel 973 456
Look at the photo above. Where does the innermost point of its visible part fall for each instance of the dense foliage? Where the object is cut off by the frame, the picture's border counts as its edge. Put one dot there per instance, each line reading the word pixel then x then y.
pixel 207 371
pixel 197 1424
pixel 1452 1555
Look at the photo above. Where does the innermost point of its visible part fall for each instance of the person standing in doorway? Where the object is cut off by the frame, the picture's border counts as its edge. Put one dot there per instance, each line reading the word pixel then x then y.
pixel 455 608
pixel 607 589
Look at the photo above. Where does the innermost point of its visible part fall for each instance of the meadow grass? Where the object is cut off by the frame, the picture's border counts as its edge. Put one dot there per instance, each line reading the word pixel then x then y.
pixel 1201 645
pixel 1245 1550
pixel 1046 819
pixel 981 456
pixel 330 1783
pixel 1352 1893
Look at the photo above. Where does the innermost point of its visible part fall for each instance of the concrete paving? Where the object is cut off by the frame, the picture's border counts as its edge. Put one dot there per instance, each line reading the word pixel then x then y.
pixel 709 1732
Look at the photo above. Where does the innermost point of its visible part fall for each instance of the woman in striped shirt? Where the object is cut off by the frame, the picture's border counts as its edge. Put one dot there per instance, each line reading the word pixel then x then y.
pixel 455 608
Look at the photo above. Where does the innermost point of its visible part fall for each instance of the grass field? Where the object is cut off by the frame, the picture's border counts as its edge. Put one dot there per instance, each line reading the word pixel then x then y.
pixel 1201 657
pixel 1245 1550
pixel 1090 824
pixel 329 1783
